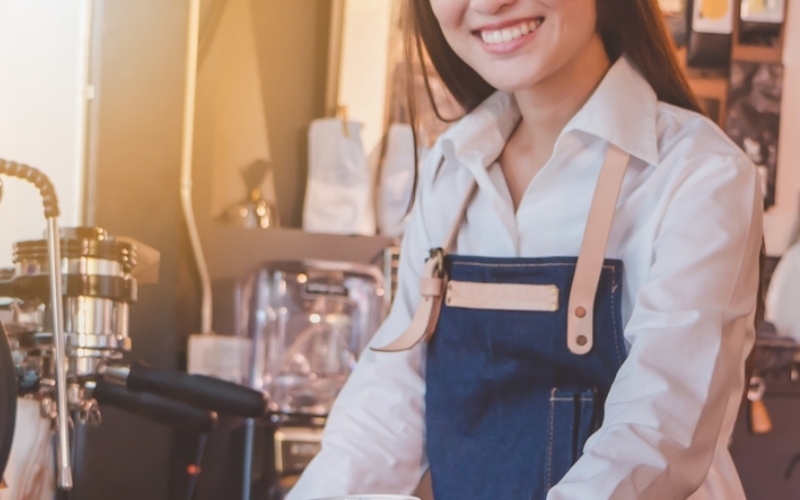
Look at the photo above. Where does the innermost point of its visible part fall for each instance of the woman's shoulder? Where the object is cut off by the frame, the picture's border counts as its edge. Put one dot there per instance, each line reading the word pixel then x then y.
pixel 686 135
pixel 696 154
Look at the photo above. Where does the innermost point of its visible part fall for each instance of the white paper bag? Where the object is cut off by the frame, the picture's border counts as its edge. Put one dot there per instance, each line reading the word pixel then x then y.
pixel 396 180
pixel 339 189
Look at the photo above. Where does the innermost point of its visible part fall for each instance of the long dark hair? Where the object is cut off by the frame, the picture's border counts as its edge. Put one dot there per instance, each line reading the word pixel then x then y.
pixel 633 27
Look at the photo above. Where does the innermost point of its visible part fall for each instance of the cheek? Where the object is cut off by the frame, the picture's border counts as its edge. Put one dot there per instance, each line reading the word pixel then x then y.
pixel 449 13
pixel 580 15
pixel 572 24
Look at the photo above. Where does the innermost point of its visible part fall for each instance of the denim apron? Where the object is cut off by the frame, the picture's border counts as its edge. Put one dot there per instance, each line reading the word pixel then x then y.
pixel 521 355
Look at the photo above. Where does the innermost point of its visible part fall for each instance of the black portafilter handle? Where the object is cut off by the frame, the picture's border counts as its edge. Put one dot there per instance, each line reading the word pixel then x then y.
pixel 155 408
pixel 200 391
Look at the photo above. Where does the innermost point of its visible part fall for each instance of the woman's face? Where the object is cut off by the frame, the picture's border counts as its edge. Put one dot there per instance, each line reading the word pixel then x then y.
pixel 516 44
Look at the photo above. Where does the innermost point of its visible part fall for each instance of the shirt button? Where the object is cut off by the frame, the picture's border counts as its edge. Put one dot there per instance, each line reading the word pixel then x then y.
pixel 580 312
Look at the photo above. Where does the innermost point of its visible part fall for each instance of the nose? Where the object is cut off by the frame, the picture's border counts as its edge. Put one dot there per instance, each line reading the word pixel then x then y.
pixel 491 7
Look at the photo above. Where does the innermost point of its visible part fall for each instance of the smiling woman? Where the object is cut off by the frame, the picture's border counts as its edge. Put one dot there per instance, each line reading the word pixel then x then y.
pixel 581 326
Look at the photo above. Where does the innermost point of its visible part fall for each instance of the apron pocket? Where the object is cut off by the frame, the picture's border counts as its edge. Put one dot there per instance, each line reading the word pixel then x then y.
pixel 571 422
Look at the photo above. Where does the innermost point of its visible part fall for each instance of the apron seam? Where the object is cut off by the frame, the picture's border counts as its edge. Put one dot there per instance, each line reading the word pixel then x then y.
pixel 614 314
pixel 550 441
pixel 490 264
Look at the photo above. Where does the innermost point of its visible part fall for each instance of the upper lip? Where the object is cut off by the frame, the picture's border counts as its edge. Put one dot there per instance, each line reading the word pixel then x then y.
pixel 506 24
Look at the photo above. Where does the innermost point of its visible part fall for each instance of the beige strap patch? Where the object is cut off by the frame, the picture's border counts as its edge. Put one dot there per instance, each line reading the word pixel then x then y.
pixel 502 296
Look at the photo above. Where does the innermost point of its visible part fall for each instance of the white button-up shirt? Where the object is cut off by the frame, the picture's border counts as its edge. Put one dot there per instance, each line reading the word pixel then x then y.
pixel 687 227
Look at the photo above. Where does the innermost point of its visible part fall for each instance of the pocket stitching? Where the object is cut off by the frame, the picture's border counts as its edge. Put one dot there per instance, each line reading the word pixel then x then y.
pixel 550 441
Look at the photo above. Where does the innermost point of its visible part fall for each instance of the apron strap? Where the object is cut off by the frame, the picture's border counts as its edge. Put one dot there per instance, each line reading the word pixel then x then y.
pixel 431 289
pixel 580 313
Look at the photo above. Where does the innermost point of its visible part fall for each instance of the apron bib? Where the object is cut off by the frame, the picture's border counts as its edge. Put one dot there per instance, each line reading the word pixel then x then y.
pixel 521 355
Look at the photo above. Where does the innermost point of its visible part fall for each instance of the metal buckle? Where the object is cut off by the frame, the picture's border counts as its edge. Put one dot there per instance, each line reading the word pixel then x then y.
pixel 438 254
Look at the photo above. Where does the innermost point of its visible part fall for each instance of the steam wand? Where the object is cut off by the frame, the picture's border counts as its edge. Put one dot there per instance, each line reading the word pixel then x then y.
pixel 51 212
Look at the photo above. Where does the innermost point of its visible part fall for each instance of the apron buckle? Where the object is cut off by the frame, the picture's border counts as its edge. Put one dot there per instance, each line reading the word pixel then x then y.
pixel 438 255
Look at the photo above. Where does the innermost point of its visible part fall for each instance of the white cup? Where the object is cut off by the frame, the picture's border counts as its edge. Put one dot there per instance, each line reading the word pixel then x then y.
pixel 370 497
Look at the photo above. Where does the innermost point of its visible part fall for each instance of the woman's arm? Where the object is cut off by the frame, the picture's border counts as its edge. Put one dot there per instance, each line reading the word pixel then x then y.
pixel 373 440
pixel 690 332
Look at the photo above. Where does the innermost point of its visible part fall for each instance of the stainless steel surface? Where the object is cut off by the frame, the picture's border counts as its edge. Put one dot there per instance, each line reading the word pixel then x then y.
pixel 59 355
pixel 250 247
pixel 83 365
pixel 95 312
pixel 27 266
pixel 115 373
pixel 90 315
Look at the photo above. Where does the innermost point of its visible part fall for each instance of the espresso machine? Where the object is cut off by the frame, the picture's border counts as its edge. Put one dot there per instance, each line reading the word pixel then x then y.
pixel 68 350
pixel 308 321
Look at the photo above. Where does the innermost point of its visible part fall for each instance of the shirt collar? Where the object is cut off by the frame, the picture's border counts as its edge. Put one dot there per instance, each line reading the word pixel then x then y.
pixel 479 137
pixel 622 111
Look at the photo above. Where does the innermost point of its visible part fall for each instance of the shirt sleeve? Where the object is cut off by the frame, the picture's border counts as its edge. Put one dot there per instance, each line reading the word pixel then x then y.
pixel 374 438
pixel 690 331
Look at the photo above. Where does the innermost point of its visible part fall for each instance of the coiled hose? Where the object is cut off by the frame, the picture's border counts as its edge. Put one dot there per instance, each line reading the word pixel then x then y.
pixel 51 213
pixel 38 179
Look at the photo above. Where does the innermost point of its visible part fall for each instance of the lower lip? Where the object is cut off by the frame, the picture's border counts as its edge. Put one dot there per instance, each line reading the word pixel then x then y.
pixel 508 47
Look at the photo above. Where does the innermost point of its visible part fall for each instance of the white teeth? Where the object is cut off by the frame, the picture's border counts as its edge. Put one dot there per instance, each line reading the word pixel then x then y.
pixel 506 35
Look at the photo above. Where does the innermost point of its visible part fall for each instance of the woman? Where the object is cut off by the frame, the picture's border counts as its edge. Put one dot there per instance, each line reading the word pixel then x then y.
pixel 530 373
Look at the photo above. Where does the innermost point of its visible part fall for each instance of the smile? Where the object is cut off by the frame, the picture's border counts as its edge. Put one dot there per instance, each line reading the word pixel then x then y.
pixel 511 33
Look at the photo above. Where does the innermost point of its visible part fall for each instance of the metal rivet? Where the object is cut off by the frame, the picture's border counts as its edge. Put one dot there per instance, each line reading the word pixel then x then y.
pixel 580 312
pixel 554 291
pixel 582 340
pixel 554 307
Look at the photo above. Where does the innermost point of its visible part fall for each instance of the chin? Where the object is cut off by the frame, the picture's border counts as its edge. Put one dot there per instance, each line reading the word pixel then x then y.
pixel 514 80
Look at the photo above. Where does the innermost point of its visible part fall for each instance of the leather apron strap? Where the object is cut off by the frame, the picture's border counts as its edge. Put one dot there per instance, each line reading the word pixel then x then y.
pixel 431 289
pixel 580 312
pixel 587 271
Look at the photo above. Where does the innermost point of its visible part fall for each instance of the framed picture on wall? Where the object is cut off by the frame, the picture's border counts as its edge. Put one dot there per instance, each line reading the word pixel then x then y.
pixel 753 117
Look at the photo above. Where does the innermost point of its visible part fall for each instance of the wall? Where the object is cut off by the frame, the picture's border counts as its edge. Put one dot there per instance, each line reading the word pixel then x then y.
pixel 781 218
pixel 138 67
pixel 291 41
pixel 292 45
pixel 43 66
pixel 364 65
